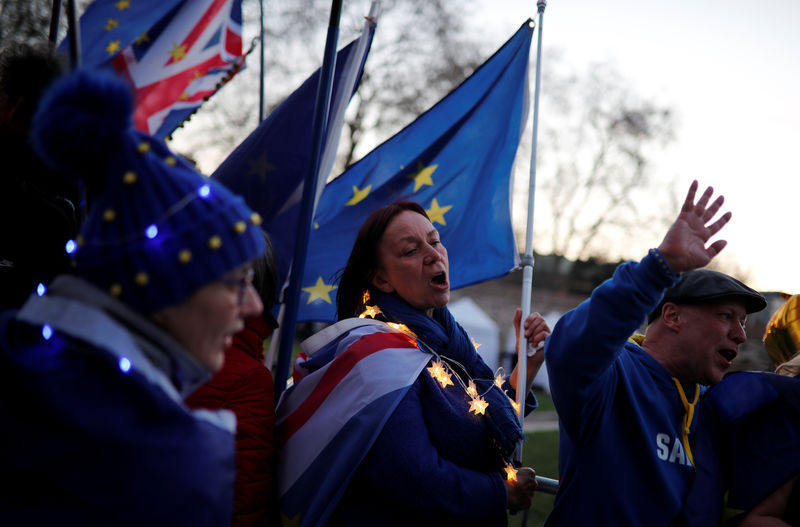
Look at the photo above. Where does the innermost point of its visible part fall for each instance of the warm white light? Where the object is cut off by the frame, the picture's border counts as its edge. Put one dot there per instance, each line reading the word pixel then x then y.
pixel 478 405
pixel 511 473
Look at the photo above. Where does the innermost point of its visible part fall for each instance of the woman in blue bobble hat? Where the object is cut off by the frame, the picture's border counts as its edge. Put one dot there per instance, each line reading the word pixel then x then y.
pixel 93 372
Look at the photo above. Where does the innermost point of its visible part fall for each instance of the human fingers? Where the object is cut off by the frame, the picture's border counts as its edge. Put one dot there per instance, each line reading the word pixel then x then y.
pixel 719 224
pixel 713 208
pixel 517 319
pixel 702 203
pixel 715 248
pixel 688 203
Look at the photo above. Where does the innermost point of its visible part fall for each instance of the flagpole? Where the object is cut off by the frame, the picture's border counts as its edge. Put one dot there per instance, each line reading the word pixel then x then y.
pixel 74 36
pixel 261 62
pixel 307 207
pixel 55 16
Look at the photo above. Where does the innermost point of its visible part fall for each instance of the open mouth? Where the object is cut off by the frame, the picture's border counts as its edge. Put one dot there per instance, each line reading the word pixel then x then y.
pixel 728 354
pixel 439 279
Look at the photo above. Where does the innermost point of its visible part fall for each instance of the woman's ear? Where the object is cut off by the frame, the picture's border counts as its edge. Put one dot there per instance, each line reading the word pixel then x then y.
pixel 380 282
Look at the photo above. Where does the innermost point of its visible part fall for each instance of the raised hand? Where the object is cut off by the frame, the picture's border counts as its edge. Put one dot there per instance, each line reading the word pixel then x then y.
pixel 684 245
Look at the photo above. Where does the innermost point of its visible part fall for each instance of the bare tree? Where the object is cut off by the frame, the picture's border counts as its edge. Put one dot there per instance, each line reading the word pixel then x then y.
pixel 598 137
pixel 28 21
pixel 421 51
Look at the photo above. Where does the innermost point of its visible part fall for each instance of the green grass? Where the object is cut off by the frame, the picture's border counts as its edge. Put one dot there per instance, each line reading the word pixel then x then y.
pixel 540 451
pixel 545 402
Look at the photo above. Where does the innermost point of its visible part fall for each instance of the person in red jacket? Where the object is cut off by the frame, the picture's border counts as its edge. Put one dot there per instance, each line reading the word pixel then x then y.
pixel 245 386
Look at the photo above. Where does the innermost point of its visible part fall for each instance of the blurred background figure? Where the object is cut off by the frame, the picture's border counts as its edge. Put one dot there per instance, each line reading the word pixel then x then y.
pixel 38 209
pixel 244 385
pixel 748 439
pixel 94 371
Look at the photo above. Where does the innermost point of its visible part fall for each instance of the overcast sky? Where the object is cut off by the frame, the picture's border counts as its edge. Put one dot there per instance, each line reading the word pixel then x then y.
pixel 731 71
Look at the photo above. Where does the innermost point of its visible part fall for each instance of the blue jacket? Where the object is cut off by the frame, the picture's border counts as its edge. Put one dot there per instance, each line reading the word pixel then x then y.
pixel 94 428
pixel 622 454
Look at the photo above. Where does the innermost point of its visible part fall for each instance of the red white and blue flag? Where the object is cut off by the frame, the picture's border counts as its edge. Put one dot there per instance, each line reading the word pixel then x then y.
pixel 357 373
pixel 174 53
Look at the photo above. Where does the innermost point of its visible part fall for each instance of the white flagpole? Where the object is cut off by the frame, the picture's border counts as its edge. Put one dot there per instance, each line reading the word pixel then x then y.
pixel 546 485
pixel 527 260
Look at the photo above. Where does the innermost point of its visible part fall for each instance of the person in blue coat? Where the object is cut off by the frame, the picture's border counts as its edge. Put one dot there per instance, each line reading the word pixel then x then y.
pixel 94 369
pixel 626 405
pixel 394 419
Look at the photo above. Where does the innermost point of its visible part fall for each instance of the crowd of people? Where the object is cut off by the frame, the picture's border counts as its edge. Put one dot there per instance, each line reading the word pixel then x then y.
pixel 134 389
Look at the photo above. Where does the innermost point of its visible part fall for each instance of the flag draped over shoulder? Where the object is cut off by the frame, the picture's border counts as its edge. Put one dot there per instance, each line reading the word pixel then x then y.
pixel 268 167
pixel 747 444
pixel 173 52
pixel 455 160
pixel 358 370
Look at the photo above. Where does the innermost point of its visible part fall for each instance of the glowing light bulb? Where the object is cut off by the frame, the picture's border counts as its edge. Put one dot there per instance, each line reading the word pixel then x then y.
pixel 151 232
pixel 370 311
pixel 499 380
pixel 71 246
pixel 511 473
pixel 514 405
pixel 41 289
pixel 444 380
pixel 478 405
pixel 204 191
pixel 472 391
pixel 476 344
pixel 125 364
pixel 47 332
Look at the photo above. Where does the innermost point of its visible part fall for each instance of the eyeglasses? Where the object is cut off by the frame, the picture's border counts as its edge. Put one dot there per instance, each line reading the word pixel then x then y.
pixel 241 280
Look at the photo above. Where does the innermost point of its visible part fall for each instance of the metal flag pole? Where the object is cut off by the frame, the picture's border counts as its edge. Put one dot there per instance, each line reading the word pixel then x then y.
pixel 546 485
pixel 307 207
pixel 261 62
pixel 55 16
pixel 74 36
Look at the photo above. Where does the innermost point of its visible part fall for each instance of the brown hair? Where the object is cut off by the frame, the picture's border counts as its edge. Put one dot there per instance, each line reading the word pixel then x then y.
pixel 356 277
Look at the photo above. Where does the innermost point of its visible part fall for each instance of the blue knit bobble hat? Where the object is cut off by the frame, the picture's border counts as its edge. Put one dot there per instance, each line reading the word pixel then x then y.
pixel 158 230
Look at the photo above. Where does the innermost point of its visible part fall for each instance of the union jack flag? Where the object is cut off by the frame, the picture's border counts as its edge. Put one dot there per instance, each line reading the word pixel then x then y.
pixel 358 371
pixel 174 53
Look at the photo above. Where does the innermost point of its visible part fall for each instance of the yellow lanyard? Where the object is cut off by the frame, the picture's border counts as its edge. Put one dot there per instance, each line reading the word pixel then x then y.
pixel 688 416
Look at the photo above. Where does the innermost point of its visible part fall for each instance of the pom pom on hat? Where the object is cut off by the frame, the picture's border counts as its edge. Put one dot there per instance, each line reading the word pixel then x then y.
pixel 159 231
pixel 82 122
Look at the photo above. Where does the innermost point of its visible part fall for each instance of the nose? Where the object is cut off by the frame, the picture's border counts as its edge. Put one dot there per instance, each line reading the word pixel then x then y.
pixel 738 334
pixel 431 254
pixel 251 303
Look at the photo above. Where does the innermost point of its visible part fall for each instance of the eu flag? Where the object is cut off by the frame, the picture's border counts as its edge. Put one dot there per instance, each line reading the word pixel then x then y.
pixel 455 160
pixel 268 167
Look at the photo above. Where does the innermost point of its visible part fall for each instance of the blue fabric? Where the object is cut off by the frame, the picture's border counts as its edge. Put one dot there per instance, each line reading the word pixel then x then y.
pixel 86 444
pixel 133 20
pixel 432 464
pixel 446 336
pixel 621 461
pixel 455 160
pixel 268 167
pixel 747 445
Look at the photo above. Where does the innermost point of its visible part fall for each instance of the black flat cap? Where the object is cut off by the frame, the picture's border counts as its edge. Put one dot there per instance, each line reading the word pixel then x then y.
pixel 704 285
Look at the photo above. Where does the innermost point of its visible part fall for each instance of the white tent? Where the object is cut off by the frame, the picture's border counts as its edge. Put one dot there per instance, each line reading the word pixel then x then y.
pixel 480 327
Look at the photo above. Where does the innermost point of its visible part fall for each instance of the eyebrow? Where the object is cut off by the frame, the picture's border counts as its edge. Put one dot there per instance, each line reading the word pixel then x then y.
pixel 412 238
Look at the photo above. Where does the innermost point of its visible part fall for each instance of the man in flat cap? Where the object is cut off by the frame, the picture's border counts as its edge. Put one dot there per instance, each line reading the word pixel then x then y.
pixel 626 404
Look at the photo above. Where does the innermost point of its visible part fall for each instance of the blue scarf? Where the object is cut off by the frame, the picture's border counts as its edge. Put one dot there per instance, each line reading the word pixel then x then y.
pixel 446 336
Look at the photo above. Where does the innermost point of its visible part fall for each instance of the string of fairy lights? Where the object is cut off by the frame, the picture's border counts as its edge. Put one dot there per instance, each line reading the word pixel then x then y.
pixel 442 370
